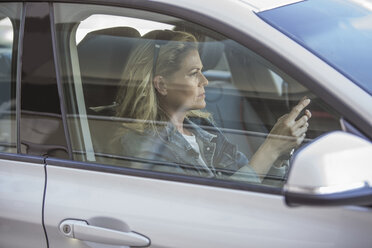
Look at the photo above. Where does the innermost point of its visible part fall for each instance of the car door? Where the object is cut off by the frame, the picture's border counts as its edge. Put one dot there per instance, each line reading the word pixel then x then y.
pixel 96 197
pixel 22 176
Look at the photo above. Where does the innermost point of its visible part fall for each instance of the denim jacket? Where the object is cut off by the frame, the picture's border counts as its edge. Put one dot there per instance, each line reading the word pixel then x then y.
pixel 222 158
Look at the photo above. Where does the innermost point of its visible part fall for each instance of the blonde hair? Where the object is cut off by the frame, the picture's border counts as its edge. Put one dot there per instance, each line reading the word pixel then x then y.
pixel 137 97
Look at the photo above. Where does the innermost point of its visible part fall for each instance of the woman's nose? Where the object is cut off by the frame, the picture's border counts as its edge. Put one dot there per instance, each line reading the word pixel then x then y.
pixel 204 80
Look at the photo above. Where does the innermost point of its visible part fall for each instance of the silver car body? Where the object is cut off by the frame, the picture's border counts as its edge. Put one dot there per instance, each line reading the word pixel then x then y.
pixel 181 214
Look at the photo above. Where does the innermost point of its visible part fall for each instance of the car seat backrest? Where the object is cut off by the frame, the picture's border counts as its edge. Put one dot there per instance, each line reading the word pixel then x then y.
pixel 103 55
pixel 210 53
pixel 249 74
pixel 102 58
pixel 235 116
pixel 228 106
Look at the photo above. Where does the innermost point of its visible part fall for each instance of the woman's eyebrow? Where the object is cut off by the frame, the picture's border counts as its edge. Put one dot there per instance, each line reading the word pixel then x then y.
pixel 196 68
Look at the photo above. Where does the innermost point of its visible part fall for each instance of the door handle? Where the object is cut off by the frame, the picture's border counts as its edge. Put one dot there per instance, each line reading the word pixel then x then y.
pixel 80 229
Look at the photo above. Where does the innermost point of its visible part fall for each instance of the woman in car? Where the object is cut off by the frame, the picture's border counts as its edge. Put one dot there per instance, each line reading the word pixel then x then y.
pixel 162 96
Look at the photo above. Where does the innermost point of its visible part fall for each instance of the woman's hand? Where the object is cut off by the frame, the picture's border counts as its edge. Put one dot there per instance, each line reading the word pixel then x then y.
pixel 289 133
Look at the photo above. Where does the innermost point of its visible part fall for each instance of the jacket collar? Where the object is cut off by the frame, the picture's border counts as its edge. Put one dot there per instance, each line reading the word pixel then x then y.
pixel 175 137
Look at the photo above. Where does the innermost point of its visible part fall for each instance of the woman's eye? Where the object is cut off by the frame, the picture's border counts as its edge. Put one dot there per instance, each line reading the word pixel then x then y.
pixel 194 73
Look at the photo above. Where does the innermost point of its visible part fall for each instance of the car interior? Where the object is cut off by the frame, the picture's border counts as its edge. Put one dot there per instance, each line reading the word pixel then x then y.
pixel 245 95
pixel 101 72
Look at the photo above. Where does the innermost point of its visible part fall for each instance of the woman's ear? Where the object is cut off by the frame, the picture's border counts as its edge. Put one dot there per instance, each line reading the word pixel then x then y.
pixel 160 85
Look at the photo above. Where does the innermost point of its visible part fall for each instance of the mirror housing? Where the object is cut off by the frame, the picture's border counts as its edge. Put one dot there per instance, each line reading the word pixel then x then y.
pixel 334 169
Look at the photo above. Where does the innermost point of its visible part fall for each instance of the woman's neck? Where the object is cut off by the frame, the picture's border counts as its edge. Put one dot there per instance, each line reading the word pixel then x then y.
pixel 177 118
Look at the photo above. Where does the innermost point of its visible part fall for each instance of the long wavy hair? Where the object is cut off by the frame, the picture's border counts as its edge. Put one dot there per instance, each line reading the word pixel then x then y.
pixel 137 97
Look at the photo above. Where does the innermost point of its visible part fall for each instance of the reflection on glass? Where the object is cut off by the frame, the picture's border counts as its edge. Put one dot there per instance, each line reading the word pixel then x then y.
pixel 7 85
pixel 339 32
pixel 97 22
pixel 185 100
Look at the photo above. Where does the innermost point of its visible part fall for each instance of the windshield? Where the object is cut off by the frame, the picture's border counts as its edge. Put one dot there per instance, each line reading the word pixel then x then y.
pixel 337 31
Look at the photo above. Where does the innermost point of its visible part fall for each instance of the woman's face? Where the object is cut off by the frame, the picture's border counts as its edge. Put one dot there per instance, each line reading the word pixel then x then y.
pixel 185 87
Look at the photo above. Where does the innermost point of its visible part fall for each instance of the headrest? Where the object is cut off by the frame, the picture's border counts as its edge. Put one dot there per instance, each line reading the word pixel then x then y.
pixel 116 31
pixel 103 53
pixel 210 53
pixel 102 58
pixel 210 50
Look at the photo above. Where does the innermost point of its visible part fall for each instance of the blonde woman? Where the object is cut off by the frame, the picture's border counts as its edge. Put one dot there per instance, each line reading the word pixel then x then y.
pixel 162 96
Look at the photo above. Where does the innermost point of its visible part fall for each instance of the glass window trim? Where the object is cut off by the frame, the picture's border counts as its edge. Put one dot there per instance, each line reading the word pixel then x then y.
pixel 83 126
pixel 19 77
pixel 59 80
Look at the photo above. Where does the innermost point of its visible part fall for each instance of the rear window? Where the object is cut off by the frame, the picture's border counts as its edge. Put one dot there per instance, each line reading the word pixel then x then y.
pixel 339 32
pixel 9 29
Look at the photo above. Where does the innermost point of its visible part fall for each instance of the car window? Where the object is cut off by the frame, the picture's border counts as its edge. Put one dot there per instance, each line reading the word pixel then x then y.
pixel 9 20
pixel 154 92
pixel 345 30
pixel 41 131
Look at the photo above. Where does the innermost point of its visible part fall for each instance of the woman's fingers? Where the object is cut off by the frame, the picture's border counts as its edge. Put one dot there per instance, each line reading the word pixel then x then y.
pixel 300 139
pixel 300 131
pixel 301 125
pixel 283 117
pixel 302 121
pixel 290 130
pixel 298 108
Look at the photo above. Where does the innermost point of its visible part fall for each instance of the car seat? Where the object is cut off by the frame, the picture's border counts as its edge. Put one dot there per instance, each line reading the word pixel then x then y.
pixel 231 112
pixel 102 57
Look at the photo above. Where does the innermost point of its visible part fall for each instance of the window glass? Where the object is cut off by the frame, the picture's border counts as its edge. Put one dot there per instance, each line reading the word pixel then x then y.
pixel 9 20
pixel 41 125
pixel 178 98
pixel 345 30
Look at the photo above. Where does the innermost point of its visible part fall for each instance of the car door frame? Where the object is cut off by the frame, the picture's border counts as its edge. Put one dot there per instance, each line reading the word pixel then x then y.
pixel 22 176
pixel 351 121
pixel 250 42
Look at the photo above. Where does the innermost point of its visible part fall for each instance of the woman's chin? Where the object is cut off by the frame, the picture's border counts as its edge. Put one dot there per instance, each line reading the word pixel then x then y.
pixel 196 106
pixel 200 106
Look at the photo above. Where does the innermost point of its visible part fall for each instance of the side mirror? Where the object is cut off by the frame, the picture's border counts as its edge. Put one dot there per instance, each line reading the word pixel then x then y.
pixel 335 169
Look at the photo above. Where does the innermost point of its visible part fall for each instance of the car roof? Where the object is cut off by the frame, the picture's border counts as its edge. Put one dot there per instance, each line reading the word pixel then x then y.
pixel 254 5
pixel 261 5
